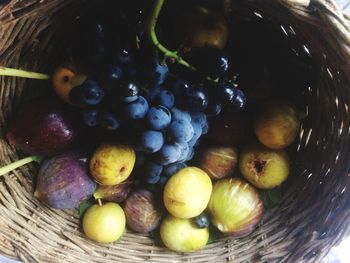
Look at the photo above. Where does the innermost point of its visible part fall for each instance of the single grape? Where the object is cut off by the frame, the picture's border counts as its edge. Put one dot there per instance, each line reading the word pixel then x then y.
pixel 199 117
pixel 184 149
pixel 202 221
pixel 180 115
pixel 90 117
pixel 171 169
pixel 152 141
pixel 210 61
pixel 181 131
pixel 205 129
pixel 129 91
pixel 180 88
pixel 162 69
pixel 109 77
pixel 197 132
pixel 158 117
pixel 213 109
pixel 196 100
pixel 125 56
pixel 226 93
pixel 169 153
pixel 237 103
pixel 165 98
pixel 109 121
pixel 87 94
pixel 152 172
pixel 137 109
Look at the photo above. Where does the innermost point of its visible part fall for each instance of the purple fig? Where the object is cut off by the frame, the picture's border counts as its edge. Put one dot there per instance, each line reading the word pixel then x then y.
pixel 43 126
pixel 114 193
pixel 63 181
pixel 142 211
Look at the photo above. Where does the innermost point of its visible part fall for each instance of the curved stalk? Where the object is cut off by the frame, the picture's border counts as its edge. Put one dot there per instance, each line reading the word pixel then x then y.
pixel 22 73
pixel 12 166
pixel 152 33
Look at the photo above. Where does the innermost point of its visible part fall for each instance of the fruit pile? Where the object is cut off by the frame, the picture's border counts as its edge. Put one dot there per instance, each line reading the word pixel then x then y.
pixel 126 135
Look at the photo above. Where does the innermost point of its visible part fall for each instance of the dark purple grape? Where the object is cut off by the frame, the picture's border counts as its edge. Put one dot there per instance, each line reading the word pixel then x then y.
pixel 238 102
pixel 202 221
pixel 90 117
pixel 109 77
pixel 210 61
pixel 109 121
pixel 180 88
pixel 196 100
pixel 129 91
pixel 213 109
pixel 87 94
pixel 125 56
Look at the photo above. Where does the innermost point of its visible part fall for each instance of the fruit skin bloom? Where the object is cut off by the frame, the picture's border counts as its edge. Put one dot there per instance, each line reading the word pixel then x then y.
pixel 104 223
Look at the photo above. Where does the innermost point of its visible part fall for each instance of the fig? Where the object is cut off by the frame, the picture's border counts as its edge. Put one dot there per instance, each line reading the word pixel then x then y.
pixel 183 235
pixel 187 193
pixel 104 223
pixel 218 161
pixel 112 163
pixel 114 193
pixel 235 207
pixel 263 167
pixel 142 212
pixel 231 129
pixel 44 126
pixel 204 27
pixel 63 181
pixel 277 124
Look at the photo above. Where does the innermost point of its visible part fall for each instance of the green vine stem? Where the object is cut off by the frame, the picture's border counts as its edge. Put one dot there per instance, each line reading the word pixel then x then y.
pixel 12 166
pixel 152 33
pixel 22 73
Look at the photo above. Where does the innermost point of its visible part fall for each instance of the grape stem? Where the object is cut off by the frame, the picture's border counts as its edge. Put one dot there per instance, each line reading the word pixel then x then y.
pixel 22 73
pixel 152 32
pixel 12 166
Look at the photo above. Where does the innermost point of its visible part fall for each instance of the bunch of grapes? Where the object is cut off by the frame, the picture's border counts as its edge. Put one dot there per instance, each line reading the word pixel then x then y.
pixel 163 107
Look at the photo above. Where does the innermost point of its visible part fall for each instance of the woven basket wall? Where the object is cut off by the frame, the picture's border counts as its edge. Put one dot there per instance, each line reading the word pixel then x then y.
pixel 314 214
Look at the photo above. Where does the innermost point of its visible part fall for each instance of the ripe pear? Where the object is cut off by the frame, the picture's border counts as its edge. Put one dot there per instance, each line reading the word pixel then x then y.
pixel 263 167
pixel 277 124
pixel 112 163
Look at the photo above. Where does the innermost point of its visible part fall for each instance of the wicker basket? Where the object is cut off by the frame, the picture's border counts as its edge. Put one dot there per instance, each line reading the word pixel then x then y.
pixel 314 214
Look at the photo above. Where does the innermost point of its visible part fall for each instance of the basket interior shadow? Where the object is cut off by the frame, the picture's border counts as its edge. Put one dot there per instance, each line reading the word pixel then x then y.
pixel 308 58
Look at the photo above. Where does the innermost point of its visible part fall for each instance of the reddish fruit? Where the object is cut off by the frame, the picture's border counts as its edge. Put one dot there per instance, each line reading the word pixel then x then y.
pixel 43 126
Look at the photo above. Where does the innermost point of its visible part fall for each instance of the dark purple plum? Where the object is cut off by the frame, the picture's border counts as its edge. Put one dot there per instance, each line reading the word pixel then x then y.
pixel 63 181
pixel 44 126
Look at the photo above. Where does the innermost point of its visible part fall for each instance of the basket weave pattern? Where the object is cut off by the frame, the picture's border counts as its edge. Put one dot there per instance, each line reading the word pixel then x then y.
pixel 314 214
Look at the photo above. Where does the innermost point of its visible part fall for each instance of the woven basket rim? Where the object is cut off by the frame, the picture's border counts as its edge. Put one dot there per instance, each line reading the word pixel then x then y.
pixel 327 27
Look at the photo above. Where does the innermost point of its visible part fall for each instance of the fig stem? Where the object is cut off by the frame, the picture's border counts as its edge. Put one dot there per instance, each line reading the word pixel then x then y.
pixel 99 202
pixel 22 73
pixel 152 33
pixel 12 166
